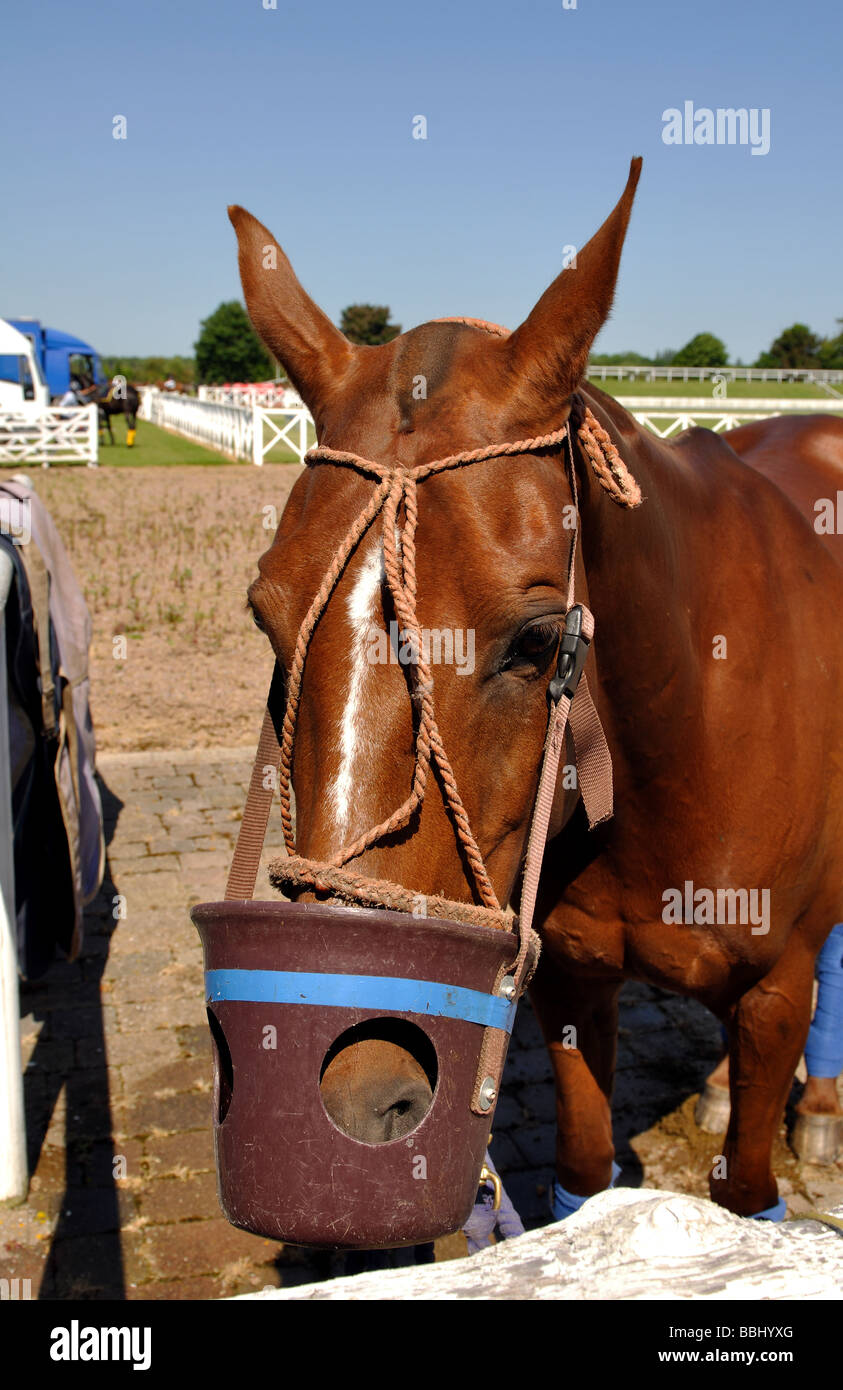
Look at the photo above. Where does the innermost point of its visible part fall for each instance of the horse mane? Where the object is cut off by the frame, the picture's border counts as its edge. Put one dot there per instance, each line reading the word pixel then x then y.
pixel 494 328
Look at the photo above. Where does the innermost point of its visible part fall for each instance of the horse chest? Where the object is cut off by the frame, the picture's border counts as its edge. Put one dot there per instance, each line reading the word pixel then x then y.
pixel 679 957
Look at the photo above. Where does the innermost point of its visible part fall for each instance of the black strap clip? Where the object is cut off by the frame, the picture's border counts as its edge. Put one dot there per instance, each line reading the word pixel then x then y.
pixel 573 650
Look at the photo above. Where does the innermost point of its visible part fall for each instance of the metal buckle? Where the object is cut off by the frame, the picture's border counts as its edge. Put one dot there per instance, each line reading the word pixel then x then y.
pixel 487 1176
pixel 573 650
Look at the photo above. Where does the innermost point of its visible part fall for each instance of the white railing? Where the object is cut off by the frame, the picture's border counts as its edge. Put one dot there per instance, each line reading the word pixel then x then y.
pixel 34 434
pixel 297 434
pixel 666 416
pixel 241 431
pixel 252 432
pixel 634 373
pixel 744 405
pixel 227 428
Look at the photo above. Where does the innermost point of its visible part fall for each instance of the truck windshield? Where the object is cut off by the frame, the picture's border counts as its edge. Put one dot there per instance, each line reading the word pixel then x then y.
pixel 13 368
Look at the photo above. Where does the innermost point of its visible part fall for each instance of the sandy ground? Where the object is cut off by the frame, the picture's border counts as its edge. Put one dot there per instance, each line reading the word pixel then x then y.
pixel 164 556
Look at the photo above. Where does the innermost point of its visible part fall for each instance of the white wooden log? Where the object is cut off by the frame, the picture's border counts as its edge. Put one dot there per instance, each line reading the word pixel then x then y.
pixel 623 1244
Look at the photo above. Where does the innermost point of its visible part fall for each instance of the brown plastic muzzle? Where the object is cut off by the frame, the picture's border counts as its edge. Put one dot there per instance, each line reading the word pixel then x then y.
pixel 284 983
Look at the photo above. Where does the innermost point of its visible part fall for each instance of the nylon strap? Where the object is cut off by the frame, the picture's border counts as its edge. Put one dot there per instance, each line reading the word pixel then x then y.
pixel 247 852
pixel 592 757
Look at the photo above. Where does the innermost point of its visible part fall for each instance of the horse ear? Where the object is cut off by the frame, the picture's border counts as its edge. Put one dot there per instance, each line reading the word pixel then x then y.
pixel 550 349
pixel 296 331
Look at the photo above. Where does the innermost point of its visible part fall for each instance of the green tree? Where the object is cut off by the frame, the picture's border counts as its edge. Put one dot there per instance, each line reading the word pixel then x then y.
pixel 704 350
pixel 368 323
pixel 143 371
pixel 619 359
pixel 228 349
pixel 797 346
pixel 831 351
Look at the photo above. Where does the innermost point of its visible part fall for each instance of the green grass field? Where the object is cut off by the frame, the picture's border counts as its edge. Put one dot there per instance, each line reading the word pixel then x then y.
pixel 158 448
pixel 735 390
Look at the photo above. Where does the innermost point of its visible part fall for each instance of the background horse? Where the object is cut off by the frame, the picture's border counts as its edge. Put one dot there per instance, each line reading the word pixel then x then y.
pixel 117 397
pixel 771 446
pixel 715 668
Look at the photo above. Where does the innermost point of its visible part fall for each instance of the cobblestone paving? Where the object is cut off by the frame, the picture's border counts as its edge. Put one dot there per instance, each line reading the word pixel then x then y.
pixel 123 1200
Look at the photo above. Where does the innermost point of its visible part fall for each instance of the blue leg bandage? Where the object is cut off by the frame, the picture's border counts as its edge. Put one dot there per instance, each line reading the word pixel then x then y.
pixel 824 1048
pixel 564 1203
pixel 775 1213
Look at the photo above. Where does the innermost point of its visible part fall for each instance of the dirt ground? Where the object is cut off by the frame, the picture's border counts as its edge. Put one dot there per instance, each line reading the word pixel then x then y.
pixel 164 556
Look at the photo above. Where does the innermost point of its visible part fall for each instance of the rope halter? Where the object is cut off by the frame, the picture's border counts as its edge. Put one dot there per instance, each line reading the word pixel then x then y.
pixel 395 499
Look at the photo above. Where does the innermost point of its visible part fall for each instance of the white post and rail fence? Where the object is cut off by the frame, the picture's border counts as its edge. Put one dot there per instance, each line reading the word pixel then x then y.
pixel 250 430
pixel 32 434
pixel 808 376
pixel 669 415
pixel 251 422
pixel 244 428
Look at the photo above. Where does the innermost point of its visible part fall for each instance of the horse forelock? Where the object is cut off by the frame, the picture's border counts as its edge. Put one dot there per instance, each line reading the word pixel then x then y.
pixel 441 382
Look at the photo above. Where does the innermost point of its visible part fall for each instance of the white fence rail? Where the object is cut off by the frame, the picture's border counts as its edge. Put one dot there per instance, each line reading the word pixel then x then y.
pixel 832 375
pixel 34 434
pixel 292 428
pixel 228 428
pixel 252 431
pixel 242 431
pixel 666 416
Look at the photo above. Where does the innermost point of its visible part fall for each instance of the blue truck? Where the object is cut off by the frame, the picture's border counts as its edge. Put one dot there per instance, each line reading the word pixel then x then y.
pixel 60 356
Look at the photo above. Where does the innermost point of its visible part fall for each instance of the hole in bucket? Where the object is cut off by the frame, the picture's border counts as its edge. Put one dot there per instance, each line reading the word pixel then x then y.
pixel 378 1079
pixel 223 1068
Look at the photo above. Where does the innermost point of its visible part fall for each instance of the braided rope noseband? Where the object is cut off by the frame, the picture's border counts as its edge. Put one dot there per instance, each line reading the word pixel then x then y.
pixel 395 496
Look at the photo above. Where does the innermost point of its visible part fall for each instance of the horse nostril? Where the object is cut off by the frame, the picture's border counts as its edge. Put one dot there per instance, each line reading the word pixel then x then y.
pixel 404 1113
pixel 399 1108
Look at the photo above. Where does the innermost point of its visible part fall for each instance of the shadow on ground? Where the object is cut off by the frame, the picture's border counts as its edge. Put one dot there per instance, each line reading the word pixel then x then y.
pixel 68 1106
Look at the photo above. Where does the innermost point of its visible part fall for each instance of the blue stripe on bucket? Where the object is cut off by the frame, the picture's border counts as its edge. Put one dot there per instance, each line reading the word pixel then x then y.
pixel 360 992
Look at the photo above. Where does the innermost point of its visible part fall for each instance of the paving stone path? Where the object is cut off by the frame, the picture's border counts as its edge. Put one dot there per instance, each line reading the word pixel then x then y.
pixel 123 1202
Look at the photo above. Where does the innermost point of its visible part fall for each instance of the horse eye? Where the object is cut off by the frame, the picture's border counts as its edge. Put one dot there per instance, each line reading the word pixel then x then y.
pixel 257 621
pixel 533 645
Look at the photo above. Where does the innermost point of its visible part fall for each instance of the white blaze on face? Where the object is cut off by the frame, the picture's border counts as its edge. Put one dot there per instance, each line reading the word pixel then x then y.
pixel 354 738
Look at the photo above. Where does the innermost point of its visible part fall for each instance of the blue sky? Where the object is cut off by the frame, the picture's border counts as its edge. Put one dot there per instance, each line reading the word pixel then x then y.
pixel 304 114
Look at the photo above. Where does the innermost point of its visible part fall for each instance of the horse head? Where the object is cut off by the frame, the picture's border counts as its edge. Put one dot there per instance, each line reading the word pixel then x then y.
pixel 483 565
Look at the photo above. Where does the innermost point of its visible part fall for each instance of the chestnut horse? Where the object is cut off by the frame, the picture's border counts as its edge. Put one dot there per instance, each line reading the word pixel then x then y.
pixel 715 668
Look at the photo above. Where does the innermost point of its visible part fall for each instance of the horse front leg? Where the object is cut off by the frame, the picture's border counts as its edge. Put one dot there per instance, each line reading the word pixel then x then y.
pixel 767 1032
pixel 579 1020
